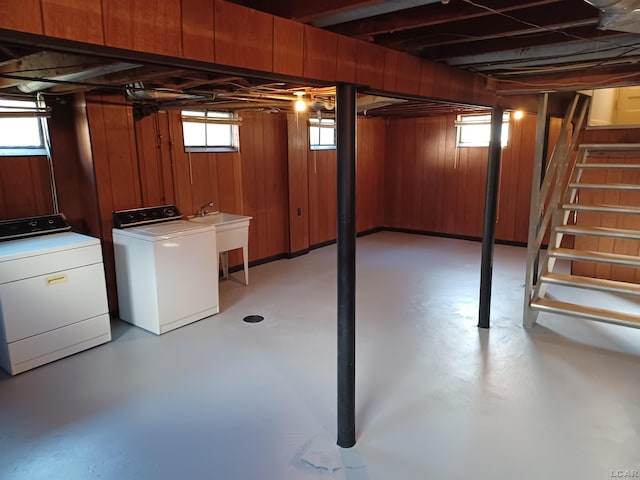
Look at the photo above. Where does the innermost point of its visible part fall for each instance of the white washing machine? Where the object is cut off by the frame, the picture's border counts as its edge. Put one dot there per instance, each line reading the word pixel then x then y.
pixel 53 298
pixel 166 268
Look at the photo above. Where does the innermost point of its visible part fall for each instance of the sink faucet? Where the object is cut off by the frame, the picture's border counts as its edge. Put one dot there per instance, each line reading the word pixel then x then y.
pixel 202 211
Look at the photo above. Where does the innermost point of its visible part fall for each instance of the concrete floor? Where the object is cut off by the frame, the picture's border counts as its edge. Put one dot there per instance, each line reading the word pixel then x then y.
pixel 437 398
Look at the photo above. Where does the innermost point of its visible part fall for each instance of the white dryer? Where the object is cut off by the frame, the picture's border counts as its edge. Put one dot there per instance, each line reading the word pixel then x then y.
pixel 166 268
pixel 53 298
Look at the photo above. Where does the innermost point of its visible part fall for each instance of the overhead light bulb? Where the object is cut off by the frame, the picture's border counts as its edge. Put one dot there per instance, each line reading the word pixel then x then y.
pixel 300 105
pixel 518 114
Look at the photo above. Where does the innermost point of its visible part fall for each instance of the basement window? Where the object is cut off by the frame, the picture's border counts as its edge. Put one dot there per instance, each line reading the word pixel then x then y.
pixel 322 134
pixel 23 128
pixel 208 131
pixel 475 130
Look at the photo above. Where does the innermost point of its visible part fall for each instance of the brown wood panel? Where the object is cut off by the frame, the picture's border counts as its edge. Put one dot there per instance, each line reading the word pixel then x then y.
pixel 22 15
pixel 320 53
pixel 73 20
pixel 408 74
pixel 148 141
pixel 370 157
pixel 264 182
pixel 428 174
pixel 288 47
pixel 24 187
pixel 390 69
pixel 243 37
pixel 181 171
pixel 322 196
pixel 347 60
pixel 442 81
pixel 152 26
pixel 298 182
pixel 198 26
pixel 274 151
pixel 370 65
pixel 427 76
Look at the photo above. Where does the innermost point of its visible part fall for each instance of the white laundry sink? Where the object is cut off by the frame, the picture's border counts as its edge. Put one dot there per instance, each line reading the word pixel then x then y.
pixel 232 231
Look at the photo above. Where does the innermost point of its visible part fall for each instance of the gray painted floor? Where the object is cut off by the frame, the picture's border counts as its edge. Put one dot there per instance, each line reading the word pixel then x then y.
pixel 437 398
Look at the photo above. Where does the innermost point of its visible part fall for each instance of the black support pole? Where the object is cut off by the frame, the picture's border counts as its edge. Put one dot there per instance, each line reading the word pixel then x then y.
pixel 490 215
pixel 346 166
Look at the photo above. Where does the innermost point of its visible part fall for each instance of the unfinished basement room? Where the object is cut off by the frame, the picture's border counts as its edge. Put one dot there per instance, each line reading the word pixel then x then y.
pixel 294 240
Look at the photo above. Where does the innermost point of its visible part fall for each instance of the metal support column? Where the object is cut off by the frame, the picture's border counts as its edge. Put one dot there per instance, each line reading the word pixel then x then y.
pixel 346 169
pixel 490 215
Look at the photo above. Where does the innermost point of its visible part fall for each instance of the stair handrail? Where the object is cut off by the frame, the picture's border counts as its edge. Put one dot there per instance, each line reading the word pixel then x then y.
pixel 552 184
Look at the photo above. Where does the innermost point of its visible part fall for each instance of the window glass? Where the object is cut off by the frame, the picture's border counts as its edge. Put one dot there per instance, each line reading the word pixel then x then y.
pixel 475 130
pixel 21 128
pixel 322 134
pixel 209 131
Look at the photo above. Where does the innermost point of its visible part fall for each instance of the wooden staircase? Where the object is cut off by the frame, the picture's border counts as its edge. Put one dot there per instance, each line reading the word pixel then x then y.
pixel 560 207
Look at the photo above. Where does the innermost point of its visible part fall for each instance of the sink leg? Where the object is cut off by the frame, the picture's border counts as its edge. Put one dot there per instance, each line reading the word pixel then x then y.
pixel 245 257
pixel 224 257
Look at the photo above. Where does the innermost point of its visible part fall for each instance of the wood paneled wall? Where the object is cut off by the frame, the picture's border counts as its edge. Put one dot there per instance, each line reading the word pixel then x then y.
pixel 313 183
pixel 232 35
pixel 431 185
pixel 264 192
pixel 322 175
pixel 370 157
pixel 24 187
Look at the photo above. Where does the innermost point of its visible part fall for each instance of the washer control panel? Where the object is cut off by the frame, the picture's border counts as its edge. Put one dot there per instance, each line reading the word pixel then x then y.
pixel 145 216
pixel 32 226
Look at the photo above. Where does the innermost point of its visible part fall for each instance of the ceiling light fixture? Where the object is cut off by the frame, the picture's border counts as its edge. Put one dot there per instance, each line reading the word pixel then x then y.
pixel 518 114
pixel 300 105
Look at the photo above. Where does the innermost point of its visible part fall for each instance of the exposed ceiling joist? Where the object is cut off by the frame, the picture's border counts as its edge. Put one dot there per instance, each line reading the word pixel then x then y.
pixel 426 16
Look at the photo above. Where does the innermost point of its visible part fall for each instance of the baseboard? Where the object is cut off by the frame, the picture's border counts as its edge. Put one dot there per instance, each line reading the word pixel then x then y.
pixel 452 236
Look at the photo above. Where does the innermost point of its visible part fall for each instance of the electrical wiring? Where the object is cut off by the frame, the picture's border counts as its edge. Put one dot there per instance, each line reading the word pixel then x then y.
pixel 530 24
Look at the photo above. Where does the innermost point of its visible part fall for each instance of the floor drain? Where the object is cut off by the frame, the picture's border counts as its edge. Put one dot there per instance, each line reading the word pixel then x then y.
pixel 253 318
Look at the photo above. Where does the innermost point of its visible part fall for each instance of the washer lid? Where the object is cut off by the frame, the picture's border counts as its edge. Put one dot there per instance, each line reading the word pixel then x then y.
pixel 163 231
pixel 55 242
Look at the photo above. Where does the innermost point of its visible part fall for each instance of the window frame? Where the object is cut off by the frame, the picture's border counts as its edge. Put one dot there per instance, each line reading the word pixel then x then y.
pixel 212 117
pixel 36 110
pixel 480 119
pixel 320 124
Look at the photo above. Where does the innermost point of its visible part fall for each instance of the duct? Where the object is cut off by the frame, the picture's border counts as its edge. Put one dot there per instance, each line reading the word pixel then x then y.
pixel 37 85
pixel 137 91
pixel 618 15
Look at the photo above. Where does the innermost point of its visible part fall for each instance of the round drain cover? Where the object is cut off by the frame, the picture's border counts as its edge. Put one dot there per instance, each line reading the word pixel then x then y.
pixel 253 318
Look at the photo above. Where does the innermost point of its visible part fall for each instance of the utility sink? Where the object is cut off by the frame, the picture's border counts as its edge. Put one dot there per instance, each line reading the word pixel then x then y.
pixel 232 231
pixel 222 220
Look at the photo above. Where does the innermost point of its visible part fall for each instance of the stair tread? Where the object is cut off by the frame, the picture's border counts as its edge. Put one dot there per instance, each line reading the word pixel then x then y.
pixel 608 165
pixel 601 231
pixel 602 208
pixel 606 186
pixel 601 257
pixel 591 313
pixel 609 146
pixel 591 283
